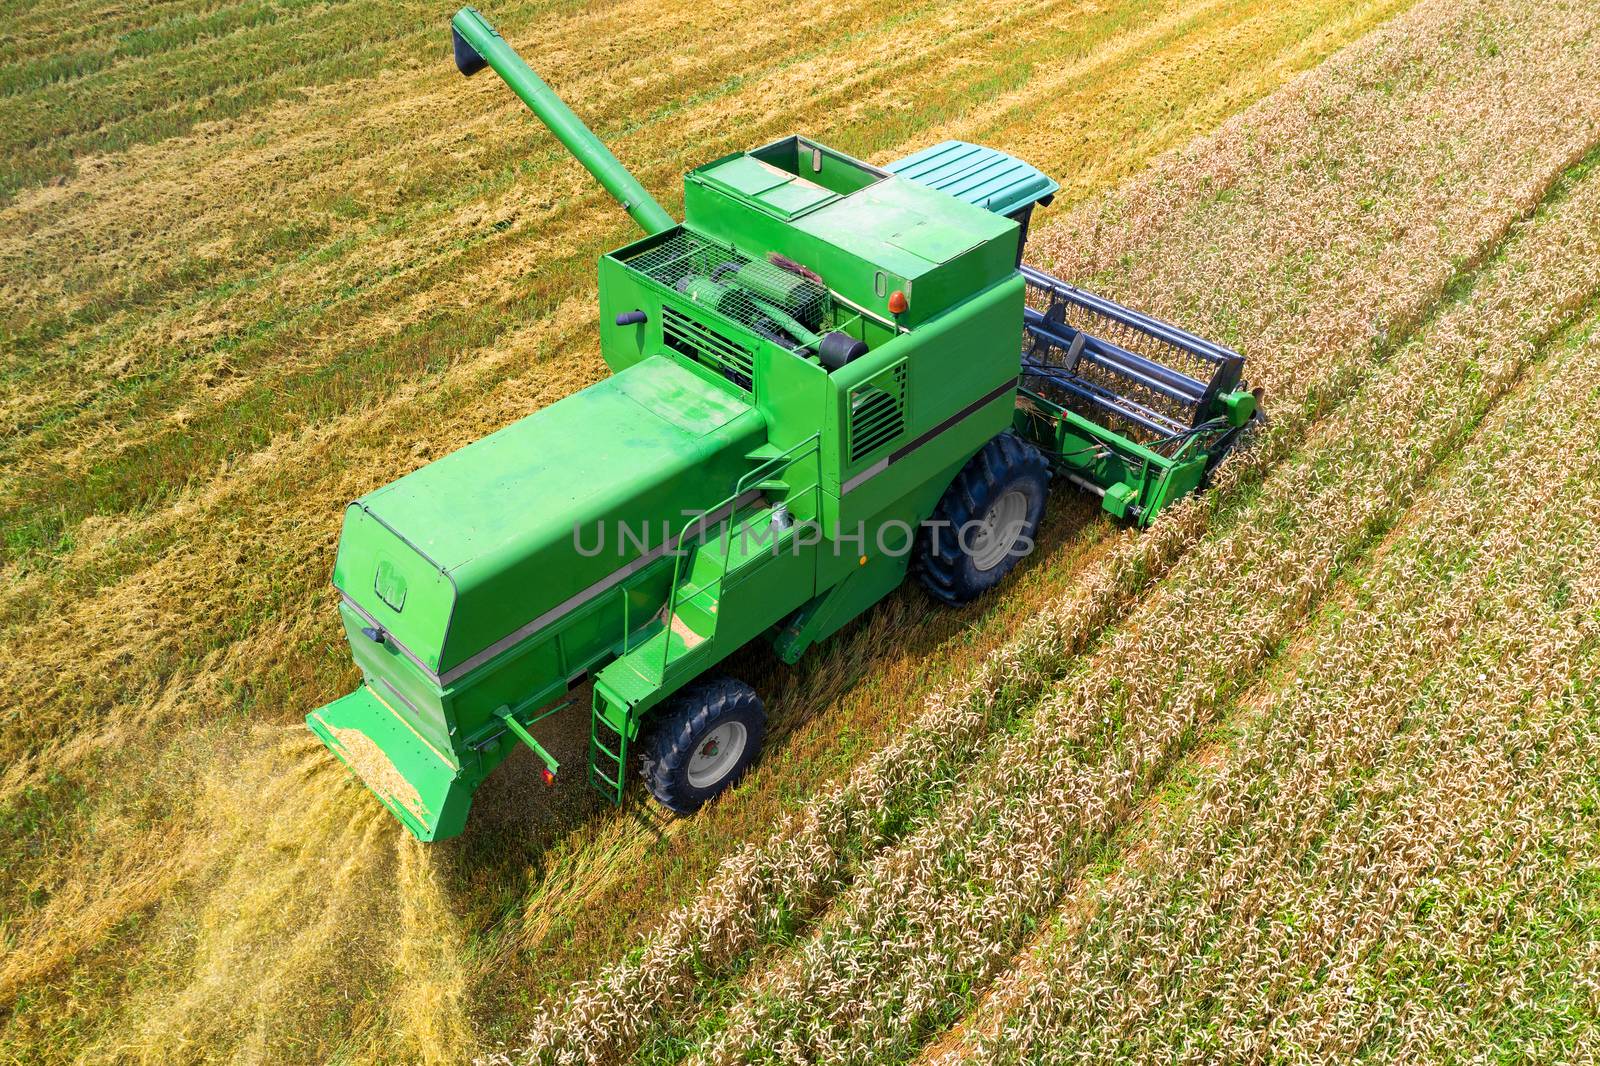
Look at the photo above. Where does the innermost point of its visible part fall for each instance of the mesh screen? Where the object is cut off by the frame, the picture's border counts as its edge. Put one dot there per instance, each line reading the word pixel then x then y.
pixel 772 302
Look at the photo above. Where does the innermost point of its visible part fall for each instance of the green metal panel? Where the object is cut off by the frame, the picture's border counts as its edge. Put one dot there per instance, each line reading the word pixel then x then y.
pixel 498 517
pixel 827 613
pixel 397 585
pixel 763 578
pixel 746 176
pixel 953 402
pixel 412 690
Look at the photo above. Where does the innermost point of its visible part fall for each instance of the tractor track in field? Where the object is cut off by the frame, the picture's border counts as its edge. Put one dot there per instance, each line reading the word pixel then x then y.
pixel 597 1020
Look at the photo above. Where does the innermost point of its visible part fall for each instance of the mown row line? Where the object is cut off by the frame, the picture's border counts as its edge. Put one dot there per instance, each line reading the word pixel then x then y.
pixel 167 84
pixel 175 413
pixel 1390 861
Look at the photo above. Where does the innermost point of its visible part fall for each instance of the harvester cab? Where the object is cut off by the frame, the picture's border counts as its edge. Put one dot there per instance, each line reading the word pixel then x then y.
pixel 816 386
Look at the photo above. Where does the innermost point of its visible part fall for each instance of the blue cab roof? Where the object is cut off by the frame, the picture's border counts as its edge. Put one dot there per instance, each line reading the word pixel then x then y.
pixel 982 176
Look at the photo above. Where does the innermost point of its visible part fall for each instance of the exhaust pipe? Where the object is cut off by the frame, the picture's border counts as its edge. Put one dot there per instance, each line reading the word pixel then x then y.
pixel 477 45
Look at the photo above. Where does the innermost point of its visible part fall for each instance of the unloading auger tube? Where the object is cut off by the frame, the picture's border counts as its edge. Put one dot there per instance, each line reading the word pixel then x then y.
pixel 816 387
pixel 477 44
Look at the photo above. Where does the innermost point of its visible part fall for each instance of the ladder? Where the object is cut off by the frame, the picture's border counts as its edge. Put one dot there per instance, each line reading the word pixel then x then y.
pixel 608 757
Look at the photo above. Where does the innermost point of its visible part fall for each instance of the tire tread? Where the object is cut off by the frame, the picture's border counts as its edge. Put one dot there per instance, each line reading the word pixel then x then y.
pixel 664 755
pixel 1003 460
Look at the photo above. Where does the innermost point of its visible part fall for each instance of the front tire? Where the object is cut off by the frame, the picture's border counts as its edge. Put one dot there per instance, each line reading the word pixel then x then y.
pixel 702 742
pixel 985 521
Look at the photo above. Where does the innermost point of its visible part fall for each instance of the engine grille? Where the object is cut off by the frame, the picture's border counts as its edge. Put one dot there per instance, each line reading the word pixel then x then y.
pixel 707 347
pixel 754 293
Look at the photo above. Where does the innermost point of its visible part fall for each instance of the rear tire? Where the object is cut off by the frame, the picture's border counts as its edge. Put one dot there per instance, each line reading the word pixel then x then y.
pixel 702 742
pixel 986 520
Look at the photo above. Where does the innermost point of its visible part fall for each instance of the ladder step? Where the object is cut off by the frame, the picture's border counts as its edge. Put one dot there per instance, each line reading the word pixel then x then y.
pixel 602 759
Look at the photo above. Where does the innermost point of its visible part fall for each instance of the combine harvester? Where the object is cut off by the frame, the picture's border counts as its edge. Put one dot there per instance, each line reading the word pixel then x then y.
pixel 817 385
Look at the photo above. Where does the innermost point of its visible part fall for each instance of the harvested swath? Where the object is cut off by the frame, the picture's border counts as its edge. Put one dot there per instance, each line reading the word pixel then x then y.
pixel 1392 858
pixel 261 833
pixel 429 1008
pixel 210 599
pixel 321 273
pixel 299 906
pixel 375 768
pixel 757 894
pixel 163 76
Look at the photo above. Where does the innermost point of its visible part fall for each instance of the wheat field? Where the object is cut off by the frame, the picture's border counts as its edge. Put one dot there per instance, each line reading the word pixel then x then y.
pixel 1303 772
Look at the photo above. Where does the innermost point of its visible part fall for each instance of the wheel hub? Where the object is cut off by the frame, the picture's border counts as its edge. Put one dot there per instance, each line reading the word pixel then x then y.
pixel 995 534
pixel 717 755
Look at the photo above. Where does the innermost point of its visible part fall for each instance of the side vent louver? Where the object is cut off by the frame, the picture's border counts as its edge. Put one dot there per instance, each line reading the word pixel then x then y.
pixel 877 411
pixel 707 347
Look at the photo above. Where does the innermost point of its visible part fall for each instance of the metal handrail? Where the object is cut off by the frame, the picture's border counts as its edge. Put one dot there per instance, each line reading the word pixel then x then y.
pixel 784 460
pixel 627 622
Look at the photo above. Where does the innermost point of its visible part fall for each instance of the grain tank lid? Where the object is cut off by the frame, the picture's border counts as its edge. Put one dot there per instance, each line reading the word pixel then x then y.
pixel 525 485
pixel 787 178
pixel 982 176
pixel 455 556
pixel 775 192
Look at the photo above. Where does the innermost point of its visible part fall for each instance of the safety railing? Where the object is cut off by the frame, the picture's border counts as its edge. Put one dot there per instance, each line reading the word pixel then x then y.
pixel 753 481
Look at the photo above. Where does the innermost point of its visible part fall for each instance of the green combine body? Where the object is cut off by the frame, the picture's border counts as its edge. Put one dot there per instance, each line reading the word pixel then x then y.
pixel 802 370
